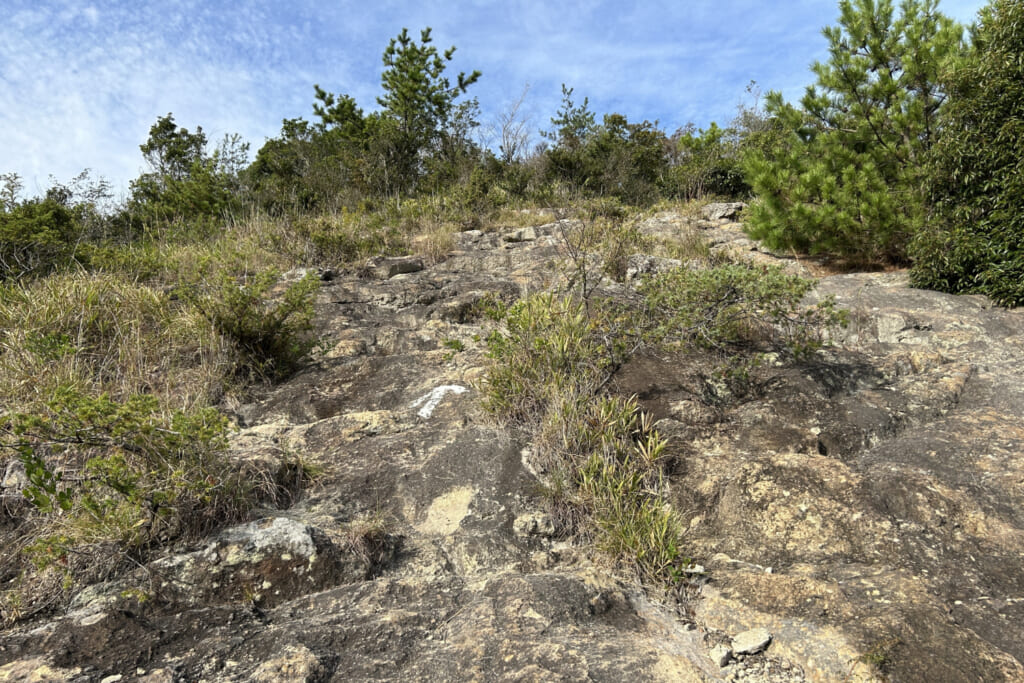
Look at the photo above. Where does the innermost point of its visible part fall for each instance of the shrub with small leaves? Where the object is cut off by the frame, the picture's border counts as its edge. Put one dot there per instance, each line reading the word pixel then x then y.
pixel 271 335
pixel 101 470
pixel 738 305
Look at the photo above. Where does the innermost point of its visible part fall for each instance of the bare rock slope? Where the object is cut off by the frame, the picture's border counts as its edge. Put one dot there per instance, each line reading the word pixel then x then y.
pixel 860 515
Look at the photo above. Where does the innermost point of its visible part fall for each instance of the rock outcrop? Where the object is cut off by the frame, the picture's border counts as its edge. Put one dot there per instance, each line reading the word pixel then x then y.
pixel 859 515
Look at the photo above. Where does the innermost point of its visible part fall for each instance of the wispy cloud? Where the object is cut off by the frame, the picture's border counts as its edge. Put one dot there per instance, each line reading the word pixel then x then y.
pixel 81 83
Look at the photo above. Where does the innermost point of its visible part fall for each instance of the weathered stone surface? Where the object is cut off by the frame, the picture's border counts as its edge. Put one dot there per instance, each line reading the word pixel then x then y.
pixel 721 655
pixel 534 524
pixel 864 507
pixel 386 267
pixel 751 642
pixel 639 265
pixel 521 235
pixel 264 562
pixel 719 210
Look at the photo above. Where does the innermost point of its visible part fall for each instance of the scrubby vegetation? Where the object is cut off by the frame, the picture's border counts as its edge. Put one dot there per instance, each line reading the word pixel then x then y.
pixel 975 239
pixel 602 459
pixel 124 326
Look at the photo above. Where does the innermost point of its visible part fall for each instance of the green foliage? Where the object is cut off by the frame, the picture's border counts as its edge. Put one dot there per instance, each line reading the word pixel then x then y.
pixel 43 234
pixel 550 346
pixel 348 237
pixel 738 305
pixel 419 106
pixel 975 241
pixel 706 162
pixel 574 124
pixel 36 236
pixel 124 471
pixel 627 160
pixel 417 94
pixel 347 155
pixel 185 183
pixel 881 655
pixel 618 458
pixel 305 168
pixel 845 179
pixel 271 335
pixel 617 158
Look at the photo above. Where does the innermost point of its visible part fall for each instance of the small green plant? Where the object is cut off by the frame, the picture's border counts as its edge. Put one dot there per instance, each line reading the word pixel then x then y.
pixel 270 335
pixel 454 346
pixel 550 345
pixel 606 463
pixel 489 306
pixel 602 456
pixel 370 536
pixel 880 654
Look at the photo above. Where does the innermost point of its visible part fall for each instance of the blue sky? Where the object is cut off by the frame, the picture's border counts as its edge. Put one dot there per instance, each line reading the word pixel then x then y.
pixel 82 81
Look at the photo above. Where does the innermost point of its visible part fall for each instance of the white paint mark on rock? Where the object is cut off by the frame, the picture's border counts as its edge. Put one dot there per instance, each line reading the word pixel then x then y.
pixel 431 400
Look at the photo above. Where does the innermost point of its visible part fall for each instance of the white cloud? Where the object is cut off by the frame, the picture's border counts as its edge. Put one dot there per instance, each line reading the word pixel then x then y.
pixel 81 85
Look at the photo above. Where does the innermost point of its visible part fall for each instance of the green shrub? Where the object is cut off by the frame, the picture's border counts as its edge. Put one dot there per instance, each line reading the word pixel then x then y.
pixel 550 344
pixel 35 237
pixel 602 456
pixel 270 335
pixel 975 241
pixel 706 163
pixel 125 470
pixel 737 305
pixel 110 480
pixel 187 189
pixel 348 237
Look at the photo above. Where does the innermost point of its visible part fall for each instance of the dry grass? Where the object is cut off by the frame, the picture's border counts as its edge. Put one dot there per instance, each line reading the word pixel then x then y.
pixel 102 333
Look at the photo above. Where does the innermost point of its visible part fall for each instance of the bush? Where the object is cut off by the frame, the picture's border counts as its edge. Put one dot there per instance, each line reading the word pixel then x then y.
pixel 706 163
pixel 617 462
pixel 550 346
pixel 111 479
pixel 125 470
pixel 35 237
pixel 733 306
pixel 187 187
pixel 347 237
pixel 975 242
pixel 271 336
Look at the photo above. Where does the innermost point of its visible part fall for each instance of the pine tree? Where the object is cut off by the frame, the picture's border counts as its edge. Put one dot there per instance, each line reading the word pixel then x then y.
pixel 418 101
pixel 976 241
pixel 845 177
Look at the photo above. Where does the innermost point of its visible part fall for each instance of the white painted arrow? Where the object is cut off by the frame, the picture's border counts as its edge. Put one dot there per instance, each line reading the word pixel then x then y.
pixel 431 400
